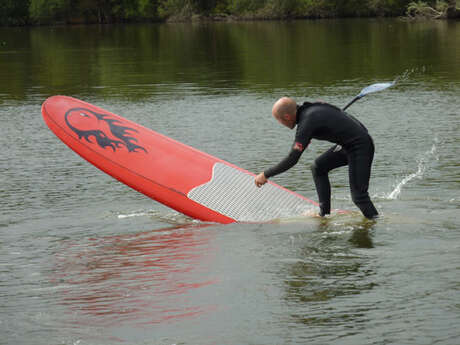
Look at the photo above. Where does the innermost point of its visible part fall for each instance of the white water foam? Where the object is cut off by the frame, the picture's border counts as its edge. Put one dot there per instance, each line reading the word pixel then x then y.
pixel 170 217
pixel 134 214
pixel 423 162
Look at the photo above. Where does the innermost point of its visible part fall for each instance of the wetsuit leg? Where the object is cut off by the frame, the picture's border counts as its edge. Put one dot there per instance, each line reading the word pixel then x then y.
pixel 333 158
pixel 360 162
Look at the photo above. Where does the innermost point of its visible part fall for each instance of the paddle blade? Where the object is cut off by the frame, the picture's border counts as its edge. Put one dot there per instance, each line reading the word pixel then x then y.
pixel 370 89
pixel 375 88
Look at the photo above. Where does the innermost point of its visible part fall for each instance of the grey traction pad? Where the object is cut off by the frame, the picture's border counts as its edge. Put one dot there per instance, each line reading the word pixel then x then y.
pixel 233 193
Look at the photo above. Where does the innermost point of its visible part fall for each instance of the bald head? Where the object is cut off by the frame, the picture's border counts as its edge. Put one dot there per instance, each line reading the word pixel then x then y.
pixel 285 111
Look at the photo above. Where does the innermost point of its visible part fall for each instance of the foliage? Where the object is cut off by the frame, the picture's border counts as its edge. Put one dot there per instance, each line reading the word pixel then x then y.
pixel 21 12
pixel 14 12
pixel 245 6
pixel 49 10
pixel 389 7
pixel 423 9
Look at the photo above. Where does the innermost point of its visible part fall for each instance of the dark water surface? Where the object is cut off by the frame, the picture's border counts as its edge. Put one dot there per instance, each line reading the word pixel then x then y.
pixel 86 260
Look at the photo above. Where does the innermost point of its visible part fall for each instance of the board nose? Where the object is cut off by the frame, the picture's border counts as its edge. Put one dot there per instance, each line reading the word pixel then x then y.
pixel 52 106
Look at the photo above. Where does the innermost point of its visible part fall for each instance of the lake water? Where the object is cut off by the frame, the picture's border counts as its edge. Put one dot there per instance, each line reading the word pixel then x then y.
pixel 86 260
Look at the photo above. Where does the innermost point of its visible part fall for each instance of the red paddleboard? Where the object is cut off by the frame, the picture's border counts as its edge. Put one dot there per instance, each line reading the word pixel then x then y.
pixel 190 181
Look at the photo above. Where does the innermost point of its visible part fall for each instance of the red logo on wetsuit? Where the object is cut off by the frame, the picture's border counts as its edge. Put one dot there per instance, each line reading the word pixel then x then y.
pixel 298 146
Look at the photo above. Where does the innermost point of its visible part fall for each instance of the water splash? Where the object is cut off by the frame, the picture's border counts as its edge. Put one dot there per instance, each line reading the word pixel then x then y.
pixel 171 217
pixel 134 214
pixel 418 174
pixel 423 162
pixel 410 73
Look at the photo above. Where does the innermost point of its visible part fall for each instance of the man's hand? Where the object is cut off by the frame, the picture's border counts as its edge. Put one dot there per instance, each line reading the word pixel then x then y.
pixel 260 180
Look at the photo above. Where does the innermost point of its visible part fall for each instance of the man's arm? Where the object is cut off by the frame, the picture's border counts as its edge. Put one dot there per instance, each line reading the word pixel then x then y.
pixel 288 162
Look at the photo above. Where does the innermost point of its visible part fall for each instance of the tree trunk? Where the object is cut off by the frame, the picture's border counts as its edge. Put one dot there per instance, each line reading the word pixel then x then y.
pixel 452 11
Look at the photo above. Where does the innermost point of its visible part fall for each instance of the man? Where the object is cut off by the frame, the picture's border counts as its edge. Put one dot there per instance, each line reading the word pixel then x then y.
pixel 354 147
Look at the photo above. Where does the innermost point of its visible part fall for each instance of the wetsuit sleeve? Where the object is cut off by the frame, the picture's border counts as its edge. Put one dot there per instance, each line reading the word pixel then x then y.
pixel 288 162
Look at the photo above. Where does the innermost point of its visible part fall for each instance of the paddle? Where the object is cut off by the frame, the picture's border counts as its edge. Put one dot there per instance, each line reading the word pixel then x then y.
pixel 370 89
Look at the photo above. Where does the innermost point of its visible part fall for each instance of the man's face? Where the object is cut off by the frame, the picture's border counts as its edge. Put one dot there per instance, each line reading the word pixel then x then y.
pixel 287 120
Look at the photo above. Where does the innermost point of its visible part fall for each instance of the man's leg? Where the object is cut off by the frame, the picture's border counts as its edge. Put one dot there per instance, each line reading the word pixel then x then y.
pixel 333 158
pixel 360 162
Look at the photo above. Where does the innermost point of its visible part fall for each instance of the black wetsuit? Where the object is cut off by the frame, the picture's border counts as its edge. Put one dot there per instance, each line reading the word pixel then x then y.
pixel 354 146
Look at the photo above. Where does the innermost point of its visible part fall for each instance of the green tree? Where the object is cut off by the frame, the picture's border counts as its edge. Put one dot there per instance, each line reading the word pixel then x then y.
pixel 245 6
pixel 47 11
pixel 285 8
pixel 148 9
pixel 205 6
pixel 14 12
pixel 384 7
pixel 452 11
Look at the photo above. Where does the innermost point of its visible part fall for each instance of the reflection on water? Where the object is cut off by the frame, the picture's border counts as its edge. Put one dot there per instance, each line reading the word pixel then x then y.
pixel 361 237
pixel 142 278
pixel 139 61
pixel 330 266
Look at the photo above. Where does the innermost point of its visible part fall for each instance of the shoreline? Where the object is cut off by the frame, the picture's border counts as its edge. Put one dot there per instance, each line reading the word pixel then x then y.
pixel 220 18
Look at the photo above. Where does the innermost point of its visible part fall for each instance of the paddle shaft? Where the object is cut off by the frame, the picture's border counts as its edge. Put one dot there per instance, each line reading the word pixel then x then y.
pixel 370 89
pixel 352 101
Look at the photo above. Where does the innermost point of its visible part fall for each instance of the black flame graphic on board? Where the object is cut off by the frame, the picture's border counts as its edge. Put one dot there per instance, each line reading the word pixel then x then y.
pixel 121 136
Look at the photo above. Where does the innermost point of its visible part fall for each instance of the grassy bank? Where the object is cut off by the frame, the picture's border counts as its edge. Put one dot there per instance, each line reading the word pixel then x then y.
pixel 39 12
